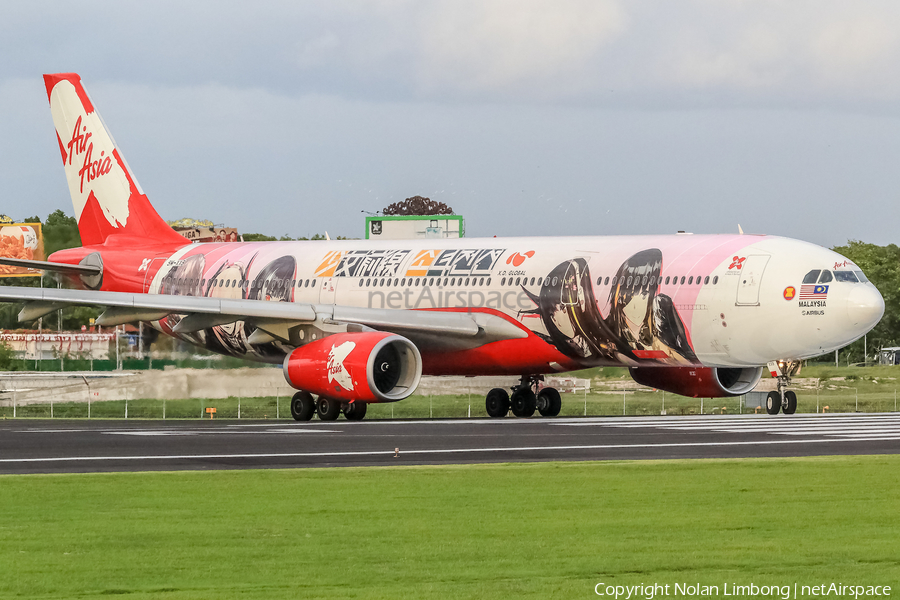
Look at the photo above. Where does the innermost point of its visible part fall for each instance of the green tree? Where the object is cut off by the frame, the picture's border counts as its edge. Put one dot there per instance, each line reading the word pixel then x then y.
pixel 881 264
pixel 8 360
pixel 60 232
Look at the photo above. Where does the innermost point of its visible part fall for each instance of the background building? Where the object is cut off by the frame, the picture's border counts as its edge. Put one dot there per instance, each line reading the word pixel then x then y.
pixel 411 227
pixel 20 240
pixel 204 231
pixel 34 345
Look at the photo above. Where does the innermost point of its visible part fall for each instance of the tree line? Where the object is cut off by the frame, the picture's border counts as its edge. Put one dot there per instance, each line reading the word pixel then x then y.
pixel 881 264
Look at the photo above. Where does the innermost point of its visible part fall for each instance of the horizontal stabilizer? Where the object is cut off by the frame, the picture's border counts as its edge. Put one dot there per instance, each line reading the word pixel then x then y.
pixel 52 266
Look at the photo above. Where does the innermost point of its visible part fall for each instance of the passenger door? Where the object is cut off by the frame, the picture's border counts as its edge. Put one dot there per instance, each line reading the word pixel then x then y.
pixel 751 276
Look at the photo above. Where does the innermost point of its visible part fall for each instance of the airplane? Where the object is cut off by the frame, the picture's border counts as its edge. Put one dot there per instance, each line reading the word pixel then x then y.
pixel 354 322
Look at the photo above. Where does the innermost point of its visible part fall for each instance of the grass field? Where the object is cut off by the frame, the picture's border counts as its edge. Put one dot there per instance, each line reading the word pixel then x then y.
pixel 609 403
pixel 548 530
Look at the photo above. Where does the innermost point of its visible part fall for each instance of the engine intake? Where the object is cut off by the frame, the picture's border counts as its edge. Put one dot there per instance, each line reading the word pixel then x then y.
pixel 697 382
pixel 372 367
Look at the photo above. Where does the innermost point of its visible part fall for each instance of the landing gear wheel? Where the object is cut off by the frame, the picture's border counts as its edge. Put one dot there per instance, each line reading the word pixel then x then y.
pixel 548 402
pixel 497 403
pixel 783 371
pixel 523 402
pixel 328 409
pixel 302 406
pixel 789 406
pixel 355 411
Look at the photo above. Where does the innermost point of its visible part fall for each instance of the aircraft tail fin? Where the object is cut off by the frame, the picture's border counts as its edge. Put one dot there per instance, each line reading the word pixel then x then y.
pixel 107 198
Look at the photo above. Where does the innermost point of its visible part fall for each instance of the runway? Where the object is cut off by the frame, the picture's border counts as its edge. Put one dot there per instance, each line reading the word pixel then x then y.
pixel 68 446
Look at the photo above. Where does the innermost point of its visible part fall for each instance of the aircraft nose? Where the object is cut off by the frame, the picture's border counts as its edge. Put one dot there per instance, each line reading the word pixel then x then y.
pixel 865 307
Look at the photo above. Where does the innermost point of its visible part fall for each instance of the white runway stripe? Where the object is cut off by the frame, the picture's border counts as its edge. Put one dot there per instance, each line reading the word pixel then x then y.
pixel 159 432
pixel 725 419
pixel 839 425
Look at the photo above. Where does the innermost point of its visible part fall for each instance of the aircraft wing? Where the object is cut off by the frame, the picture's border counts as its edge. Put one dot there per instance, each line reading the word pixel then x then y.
pixel 275 318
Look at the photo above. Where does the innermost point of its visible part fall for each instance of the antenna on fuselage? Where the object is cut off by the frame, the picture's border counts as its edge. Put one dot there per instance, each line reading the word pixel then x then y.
pixel 740 231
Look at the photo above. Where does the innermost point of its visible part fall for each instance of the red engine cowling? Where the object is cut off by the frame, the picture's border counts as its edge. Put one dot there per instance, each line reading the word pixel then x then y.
pixel 372 367
pixel 699 382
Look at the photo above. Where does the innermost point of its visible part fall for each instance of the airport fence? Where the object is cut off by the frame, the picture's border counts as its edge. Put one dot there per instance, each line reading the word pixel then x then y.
pixel 249 404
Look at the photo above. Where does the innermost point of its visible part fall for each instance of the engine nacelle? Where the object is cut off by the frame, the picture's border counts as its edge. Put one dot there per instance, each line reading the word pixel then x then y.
pixel 699 382
pixel 371 366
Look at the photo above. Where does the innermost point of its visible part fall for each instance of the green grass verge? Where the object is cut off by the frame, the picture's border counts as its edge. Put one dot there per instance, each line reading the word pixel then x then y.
pixel 414 407
pixel 846 389
pixel 636 402
pixel 548 530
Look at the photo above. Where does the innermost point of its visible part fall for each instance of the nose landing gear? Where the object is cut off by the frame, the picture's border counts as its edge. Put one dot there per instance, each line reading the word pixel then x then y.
pixel 783 400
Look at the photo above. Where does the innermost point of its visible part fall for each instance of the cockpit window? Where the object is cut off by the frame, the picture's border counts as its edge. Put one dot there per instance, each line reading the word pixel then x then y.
pixel 862 276
pixel 845 276
pixel 825 277
pixel 812 276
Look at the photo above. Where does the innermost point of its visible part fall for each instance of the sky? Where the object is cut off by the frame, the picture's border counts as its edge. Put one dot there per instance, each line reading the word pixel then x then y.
pixel 570 117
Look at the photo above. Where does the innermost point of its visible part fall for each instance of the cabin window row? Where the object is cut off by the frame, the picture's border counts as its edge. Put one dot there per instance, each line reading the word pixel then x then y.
pixel 424 281
pixel 230 283
pixel 652 280
pixel 480 281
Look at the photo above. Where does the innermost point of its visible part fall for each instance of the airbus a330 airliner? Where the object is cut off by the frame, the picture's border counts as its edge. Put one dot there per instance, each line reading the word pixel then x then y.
pixel 355 322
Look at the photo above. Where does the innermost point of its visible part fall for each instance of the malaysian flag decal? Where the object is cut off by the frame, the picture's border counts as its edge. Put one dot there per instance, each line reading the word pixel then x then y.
pixel 813 292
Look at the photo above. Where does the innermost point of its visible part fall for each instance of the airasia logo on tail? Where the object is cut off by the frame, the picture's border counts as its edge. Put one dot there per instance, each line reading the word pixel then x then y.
pixel 335 365
pixel 79 145
pixel 87 148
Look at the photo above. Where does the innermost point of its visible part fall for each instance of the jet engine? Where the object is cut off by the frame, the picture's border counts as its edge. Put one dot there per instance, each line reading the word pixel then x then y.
pixel 372 366
pixel 697 382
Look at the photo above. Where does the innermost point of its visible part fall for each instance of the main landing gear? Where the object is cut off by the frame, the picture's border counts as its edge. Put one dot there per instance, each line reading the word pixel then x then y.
pixel 524 402
pixel 304 406
pixel 782 399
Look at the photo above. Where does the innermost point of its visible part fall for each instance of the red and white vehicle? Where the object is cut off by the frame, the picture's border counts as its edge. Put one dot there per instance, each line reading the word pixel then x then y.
pixel 355 322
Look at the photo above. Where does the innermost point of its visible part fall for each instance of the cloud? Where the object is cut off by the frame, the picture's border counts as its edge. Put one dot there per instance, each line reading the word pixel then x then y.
pixel 772 53
pixel 782 53
pixel 505 47
pixel 858 50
